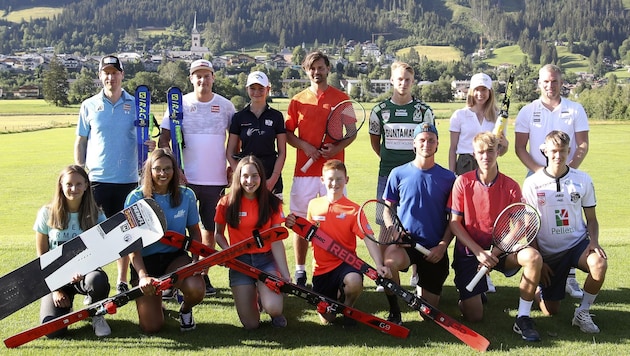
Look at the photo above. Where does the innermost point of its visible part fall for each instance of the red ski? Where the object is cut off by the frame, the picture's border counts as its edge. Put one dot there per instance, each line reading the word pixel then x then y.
pixel 278 285
pixel 311 233
pixel 110 305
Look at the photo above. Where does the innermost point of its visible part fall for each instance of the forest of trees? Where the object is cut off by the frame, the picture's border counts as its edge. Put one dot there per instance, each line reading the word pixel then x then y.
pixel 597 29
pixel 103 26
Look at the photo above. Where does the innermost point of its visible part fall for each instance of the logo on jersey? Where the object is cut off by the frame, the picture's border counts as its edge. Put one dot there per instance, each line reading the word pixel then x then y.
pixel 542 199
pixel 215 108
pixel 562 217
pixel 385 115
pixel 575 196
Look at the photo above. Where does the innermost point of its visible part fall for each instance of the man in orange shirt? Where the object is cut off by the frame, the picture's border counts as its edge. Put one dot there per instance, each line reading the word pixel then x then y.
pixel 307 113
pixel 336 215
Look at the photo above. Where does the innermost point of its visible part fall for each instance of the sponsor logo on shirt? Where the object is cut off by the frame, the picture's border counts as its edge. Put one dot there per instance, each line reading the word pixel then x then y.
pixel 536 117
pixel 563 225
pixel 575 196
pixel 180 214
pixel 542 199
pixel 341 216
pixel 268 122
pixel 215 108
pixel 400 113
pixel 385 115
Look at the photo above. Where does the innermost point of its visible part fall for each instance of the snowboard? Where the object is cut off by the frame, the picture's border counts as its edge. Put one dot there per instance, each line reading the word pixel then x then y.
pixel 139 225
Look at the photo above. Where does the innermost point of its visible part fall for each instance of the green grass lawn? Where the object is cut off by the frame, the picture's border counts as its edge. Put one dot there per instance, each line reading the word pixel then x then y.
pixel 28 170
pixel 38 12
pixel 436 53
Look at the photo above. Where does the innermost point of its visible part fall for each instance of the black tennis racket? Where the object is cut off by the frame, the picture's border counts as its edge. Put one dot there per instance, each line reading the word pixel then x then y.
pixel 380 223
pixel 344 121
pixel 514 229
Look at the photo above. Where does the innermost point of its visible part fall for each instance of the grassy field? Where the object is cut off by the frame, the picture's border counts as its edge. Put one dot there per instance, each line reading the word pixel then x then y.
pixel 436 53
pixel 32 160
pixel 38 12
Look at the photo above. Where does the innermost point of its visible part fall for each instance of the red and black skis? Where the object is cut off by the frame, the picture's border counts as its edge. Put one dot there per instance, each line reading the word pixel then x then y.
pixel 110 305
pixel 278 285
pixel 311 233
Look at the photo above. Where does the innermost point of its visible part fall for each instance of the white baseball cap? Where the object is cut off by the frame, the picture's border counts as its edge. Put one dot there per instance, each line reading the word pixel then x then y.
pixel 257 77
pixel 200 64
pixel 480 79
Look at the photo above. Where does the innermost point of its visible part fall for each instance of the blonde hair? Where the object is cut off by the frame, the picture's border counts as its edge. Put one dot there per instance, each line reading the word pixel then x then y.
pixel 486 140
pixel 405 66
pixel 490 109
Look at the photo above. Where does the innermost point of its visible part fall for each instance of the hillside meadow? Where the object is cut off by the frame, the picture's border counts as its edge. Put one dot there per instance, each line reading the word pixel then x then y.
pixel 28 170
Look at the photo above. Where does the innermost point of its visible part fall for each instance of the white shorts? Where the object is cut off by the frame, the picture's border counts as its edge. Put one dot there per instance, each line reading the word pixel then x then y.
pixel 303 190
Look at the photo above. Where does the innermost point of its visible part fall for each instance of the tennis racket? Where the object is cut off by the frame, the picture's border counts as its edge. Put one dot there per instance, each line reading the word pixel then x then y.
pixel 379 222
pixel 514 229
pixel 344 121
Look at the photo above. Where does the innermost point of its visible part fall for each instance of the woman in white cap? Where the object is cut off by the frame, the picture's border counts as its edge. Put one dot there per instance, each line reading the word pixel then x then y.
pixel 259 130
pixel 479 115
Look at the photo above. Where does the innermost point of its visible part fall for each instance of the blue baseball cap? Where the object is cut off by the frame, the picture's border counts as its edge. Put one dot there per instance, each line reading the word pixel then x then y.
pixel 424 127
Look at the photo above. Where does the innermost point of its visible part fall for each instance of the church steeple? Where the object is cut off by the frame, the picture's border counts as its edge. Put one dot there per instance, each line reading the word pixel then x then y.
pixel 196 37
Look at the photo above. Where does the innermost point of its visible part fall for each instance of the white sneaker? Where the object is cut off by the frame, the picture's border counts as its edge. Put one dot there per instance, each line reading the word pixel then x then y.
pixel 413 281
pixel 573 288
pixel 380 289
pixel 582 318
pixel 100 326
pixel 491 287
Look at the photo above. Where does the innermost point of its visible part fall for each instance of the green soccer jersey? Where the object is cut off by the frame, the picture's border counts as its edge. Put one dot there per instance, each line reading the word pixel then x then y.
pixel 395 125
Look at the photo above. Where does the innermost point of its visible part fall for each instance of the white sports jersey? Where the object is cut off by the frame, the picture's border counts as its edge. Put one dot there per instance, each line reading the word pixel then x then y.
pixel 560 202
pixel 205 127
pixel 537 121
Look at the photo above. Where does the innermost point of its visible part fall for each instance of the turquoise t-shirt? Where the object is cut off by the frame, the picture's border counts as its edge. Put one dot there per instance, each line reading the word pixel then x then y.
pixel 177 218
pixel 58 237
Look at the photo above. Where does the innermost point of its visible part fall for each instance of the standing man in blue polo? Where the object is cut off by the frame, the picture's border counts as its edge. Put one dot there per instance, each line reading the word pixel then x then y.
pixel 106 145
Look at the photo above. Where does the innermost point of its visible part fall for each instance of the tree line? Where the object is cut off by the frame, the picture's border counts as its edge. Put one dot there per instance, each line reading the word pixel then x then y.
pixel 611 102
pixel 100 26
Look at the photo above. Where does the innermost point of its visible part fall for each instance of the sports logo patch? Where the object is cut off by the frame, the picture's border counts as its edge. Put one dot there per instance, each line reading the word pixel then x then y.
pixel 542 199
pixel 575 196
pixel 562 217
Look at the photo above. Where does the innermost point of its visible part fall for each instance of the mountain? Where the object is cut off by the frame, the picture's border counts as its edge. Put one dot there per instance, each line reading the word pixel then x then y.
pixel 102 26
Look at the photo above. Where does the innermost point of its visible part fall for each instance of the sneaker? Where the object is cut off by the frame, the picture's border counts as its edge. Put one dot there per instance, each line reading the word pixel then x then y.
pixel 186 321
pixel 300 278
pixel 279 321
pixel 582 318
pixel 210 290
pixel 413 281
pixel 524 326
pixel 380 289
pixel 395 318
pixel 122 287
pixel 100 326
pixel 573 288
pixel 491 287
